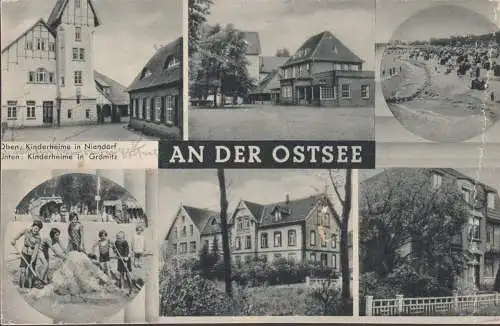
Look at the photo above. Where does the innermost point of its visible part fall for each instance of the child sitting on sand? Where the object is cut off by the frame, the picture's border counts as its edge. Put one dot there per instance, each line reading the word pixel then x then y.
pixel 104 246
pixel 122 250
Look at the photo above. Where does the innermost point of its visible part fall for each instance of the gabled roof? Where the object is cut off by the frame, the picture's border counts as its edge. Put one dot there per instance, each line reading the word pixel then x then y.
pixel 58 10
pixel 117 94
pixel 254 208
pixel 158 75
pixel 269 64
pixel 199 216
pixel 323 47
pixel 271 81
pixel 38 22
pixel 297 210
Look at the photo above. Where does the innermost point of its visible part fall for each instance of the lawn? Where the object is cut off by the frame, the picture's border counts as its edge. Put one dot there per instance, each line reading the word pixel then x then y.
pixel 280 300
pixel 273 122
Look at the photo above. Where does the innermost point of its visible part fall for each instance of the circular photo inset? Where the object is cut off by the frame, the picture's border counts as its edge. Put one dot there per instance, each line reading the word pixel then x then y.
pixel 440 74
pixel 75 248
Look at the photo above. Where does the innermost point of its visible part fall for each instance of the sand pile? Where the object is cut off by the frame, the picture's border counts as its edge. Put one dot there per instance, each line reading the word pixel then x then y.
pixel 77 276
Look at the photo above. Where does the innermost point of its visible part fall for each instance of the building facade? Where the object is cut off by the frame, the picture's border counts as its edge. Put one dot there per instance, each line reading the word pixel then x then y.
pixel 300 230
pixel 156 94
pixel 480 236
pixel 324 72
pixel 48 71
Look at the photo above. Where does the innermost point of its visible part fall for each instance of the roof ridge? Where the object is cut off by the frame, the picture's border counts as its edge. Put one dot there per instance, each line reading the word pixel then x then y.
pixel 318 44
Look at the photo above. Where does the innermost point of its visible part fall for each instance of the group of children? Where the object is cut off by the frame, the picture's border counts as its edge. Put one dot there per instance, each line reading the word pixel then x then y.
pixel 35 248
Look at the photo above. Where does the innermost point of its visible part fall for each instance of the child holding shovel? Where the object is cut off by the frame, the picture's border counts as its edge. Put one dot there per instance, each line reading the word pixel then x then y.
pixel 122 251
pixel 29 254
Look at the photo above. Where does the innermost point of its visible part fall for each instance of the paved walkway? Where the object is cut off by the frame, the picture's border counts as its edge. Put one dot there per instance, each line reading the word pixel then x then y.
pixel 270 122
pixel 108 132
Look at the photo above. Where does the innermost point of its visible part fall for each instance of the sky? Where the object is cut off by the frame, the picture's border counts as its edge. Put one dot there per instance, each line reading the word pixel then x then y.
pixel 199 188
pixel 422 19
pixel 289 23
pixel 124 42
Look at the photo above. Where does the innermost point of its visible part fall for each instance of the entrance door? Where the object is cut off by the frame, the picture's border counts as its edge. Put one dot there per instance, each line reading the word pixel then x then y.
pixel 48 112
pixel 477 277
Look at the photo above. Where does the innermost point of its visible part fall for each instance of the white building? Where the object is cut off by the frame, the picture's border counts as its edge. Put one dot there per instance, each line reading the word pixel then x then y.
pixel 48 71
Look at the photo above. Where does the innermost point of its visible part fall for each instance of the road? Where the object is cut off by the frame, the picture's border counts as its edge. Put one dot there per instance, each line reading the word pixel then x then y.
pixel 108 132
pixel 274 122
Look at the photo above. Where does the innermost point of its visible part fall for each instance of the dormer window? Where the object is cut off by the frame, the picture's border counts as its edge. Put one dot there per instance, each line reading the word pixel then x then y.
pixel 437 180
pixel 335 50
pixel 145 73
pixel 277 215
pixel 171 62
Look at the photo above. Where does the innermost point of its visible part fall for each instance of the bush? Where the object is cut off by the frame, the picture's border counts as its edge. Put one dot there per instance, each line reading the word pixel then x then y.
pixel 327 301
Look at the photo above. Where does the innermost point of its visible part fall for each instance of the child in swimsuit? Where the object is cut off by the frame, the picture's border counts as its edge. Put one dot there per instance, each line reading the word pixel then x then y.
pixel 104 246
pixel 54 245
pixel 29 254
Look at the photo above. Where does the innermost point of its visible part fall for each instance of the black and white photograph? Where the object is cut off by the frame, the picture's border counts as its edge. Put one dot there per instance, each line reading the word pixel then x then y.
pixel 305 69
pixel 76 246
pixel 429 242
pixel 85 70
pixel 438 71
pixel 256 243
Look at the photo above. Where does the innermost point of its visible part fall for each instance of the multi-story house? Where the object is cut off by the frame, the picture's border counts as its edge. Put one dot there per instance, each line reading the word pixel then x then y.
pixel 156 94
pixel 324 72
pixel 301 230
pixel 48 72
pixel 268 88
pixel 480 236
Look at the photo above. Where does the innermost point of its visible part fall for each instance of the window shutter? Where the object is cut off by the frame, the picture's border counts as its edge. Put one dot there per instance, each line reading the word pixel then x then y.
pixel 163 110
pixel 177 116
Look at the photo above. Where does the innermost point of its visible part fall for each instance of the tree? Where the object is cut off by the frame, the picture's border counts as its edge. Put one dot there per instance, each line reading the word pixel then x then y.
pixel 410 229
pixel 198 10
pixel 341 216
pixel 225 231
pixel 283 52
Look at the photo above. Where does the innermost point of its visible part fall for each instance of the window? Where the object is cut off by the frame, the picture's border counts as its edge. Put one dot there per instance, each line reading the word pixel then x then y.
pixel 286 91
pixel 346 91
pixel 239 225
pixel 491 200
pixel 437 180
pixel 326 219
pixel 365 91
pixel 174 248
pixel 158 108
pixel 62 81
pixel 338 66
pixel 70 113
pixel 354 67
pixel 145 73
pixel 52 46
pixel 334 261
pixel 38 44
pixel 312 238
pixel 183 231
pixel 143 108
pixel 31 77
pixel 324 259
pixel 489 233
pixel 147 108
pixel 87 114
pixel 313 257
pixel 467 195
pixel 12 110
pixel 171 62
pixel 183 248
pixel 78 3
pixel 248 242
pixel 82 54
pixel 206 244
pixel 246 223
pixel 78 54
pixel 41 75
pixel 191 230
pixel 30 109
pixel 474 228
pixel 75 54
pixel 292 238
pixel 29 45
pixel 77 77
pixel 169 116
pixel 277 215
pixel 238 243
pixel 192 246
pixel 78 33
pixel 277 239
pixel 334 241
pixel 327 93
pixel 51 77
pixel 345 67
pixel 263 240
pixel 136 108
pixel 323 241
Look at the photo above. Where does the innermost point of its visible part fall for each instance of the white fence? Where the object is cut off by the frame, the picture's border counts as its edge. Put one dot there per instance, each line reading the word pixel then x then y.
pixel 455 305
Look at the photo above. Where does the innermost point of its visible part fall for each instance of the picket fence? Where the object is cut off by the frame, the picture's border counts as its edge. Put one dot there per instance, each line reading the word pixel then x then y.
pixel 454 305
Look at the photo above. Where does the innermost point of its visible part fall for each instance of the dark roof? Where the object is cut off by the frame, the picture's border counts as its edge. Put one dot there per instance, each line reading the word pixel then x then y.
pixel 38 22
pixel 255 209
pixel 199 216
pixel 324 47
pixel 269 64
pixel 160 76
pixel 271 81
pixel 58 10
pixel 117 94
pixel 297 210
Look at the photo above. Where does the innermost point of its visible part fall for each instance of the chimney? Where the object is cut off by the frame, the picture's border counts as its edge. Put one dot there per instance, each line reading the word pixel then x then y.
pixel 287 198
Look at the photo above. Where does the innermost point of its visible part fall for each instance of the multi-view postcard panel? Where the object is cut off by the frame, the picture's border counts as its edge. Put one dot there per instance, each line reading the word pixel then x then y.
pixel 78 70
pixel 308 75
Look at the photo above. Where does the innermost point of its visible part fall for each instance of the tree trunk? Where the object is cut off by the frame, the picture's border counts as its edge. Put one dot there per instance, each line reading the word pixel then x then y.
pixel 344 238
pixel 224 229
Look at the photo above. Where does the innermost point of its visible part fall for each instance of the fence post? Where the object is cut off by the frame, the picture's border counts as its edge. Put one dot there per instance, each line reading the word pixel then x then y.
pixel 455 302
pixel 368 305
pixel 308 280
pixel 399 304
